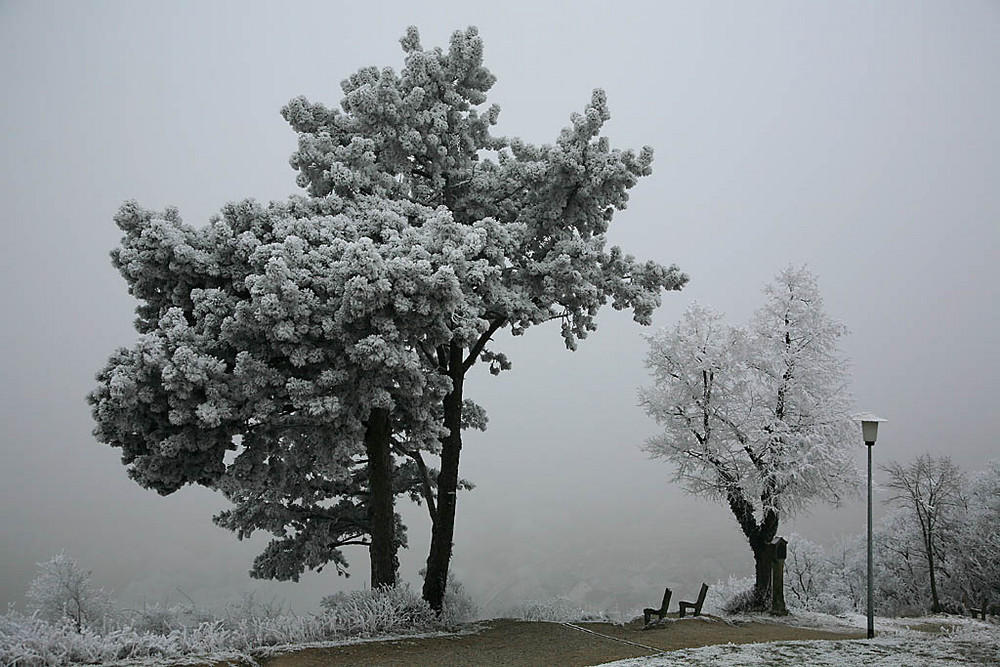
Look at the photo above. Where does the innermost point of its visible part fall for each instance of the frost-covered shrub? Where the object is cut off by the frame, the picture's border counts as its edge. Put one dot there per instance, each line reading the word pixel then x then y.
pixel 30 640
pixel 559 609
pixel 742 602
pixel 63 589
pixel 812 580
pixel 830 603
pixel 563 610
pixel 157 619
pixel 723 591
pixel 250 607
pixel 161 618
pixel 378 611
pixel 173 632
pixel 459 607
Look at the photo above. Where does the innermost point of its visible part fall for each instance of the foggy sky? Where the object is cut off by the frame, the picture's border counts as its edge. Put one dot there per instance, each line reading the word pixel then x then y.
pixel 858 138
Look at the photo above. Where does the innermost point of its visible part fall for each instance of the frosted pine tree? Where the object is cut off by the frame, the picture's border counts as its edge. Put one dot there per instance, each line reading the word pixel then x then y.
pixel 315 340
pixel 422 135
pixel 757 419
pixel 278 364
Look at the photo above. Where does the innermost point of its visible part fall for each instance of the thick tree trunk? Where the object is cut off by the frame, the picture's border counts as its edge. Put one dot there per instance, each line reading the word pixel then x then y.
pixel 762 571
pixel 381 511
pixel 759 535
pixel 443 531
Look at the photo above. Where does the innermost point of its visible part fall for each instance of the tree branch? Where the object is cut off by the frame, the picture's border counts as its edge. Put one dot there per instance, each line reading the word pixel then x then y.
pixel 481 343
pixel 426 486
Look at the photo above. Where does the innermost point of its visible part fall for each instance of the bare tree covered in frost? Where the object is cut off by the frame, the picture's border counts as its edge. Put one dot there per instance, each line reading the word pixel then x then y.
pixel 756 418
pixel 978 540
pixel 930 489
pixel 64 590
pixel 324 338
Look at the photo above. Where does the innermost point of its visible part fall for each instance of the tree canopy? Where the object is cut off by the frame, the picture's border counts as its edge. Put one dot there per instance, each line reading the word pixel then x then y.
pixel 755 417
pixel 288 353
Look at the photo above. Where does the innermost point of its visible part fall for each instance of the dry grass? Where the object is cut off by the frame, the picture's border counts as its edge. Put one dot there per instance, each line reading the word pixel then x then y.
pixel 517 643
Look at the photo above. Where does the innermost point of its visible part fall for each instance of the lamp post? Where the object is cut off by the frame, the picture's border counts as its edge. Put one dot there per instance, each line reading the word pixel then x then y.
pixel 869 431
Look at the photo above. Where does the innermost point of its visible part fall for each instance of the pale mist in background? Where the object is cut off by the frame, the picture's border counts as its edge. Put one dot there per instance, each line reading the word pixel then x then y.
pixel 858 138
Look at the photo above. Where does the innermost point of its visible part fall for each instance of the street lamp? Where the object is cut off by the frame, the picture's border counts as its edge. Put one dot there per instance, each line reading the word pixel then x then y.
pixel 869 430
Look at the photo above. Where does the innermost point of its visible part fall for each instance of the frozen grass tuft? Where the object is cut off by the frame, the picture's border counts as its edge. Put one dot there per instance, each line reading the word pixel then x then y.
pixel 564 610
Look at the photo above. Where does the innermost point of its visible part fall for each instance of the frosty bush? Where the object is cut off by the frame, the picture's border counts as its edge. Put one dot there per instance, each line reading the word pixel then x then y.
pixel 30 640
pixel 811 579
pixel 459 607
pixel 250 607
pixel 722 592
pixel 64 590
pixel 378 611
pixel 162 631
pixel 558 609
pixel 157 619
pixel 742 602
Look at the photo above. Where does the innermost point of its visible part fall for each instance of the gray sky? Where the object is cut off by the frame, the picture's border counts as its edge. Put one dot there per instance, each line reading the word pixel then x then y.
pixel 859 138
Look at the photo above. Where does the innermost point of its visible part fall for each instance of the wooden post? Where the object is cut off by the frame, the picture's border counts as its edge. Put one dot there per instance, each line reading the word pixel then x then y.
pixel 779 551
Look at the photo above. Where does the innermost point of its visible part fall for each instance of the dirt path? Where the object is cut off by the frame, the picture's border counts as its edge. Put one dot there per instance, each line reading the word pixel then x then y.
pixel 517 643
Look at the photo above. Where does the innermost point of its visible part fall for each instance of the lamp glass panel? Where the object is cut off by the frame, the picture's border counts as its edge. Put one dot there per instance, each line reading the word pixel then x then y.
pixel 869 430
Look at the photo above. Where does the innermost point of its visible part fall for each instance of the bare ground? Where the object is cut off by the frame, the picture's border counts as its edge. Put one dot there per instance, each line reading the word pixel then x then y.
pixel 528 643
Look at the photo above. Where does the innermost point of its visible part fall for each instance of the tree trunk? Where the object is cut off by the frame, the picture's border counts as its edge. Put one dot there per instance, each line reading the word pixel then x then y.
pixel 935 602
pixel 759 535
pixel 381 511
pixel 762 560
pixel 443 530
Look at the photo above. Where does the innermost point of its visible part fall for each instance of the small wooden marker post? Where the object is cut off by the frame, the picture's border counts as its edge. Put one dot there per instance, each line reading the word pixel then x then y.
pixel 779 547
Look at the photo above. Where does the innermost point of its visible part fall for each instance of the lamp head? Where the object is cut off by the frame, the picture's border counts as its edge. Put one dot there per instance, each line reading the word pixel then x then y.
pixel 869 426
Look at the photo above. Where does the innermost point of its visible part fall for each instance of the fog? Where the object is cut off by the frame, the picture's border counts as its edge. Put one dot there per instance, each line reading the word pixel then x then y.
pixel 858 138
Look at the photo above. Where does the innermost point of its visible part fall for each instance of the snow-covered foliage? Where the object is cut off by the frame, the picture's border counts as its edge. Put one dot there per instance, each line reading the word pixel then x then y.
pixel 422 135
pixel 459 606
pixel 563 610
pixel 946 523
pixel 724 594
pixel 965 546
pixel 284 326
pixel 378 611
pixel 756 417
pixel 64 591
pixel 559 609
pixel 810 579
pixel 977 549
pixel 244 631
pixel 758 413
pixel 930 490
pixel 297 356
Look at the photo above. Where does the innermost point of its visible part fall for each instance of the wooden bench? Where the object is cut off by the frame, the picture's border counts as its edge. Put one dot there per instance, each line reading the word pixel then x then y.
pixel 694 606
pixel 661 612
